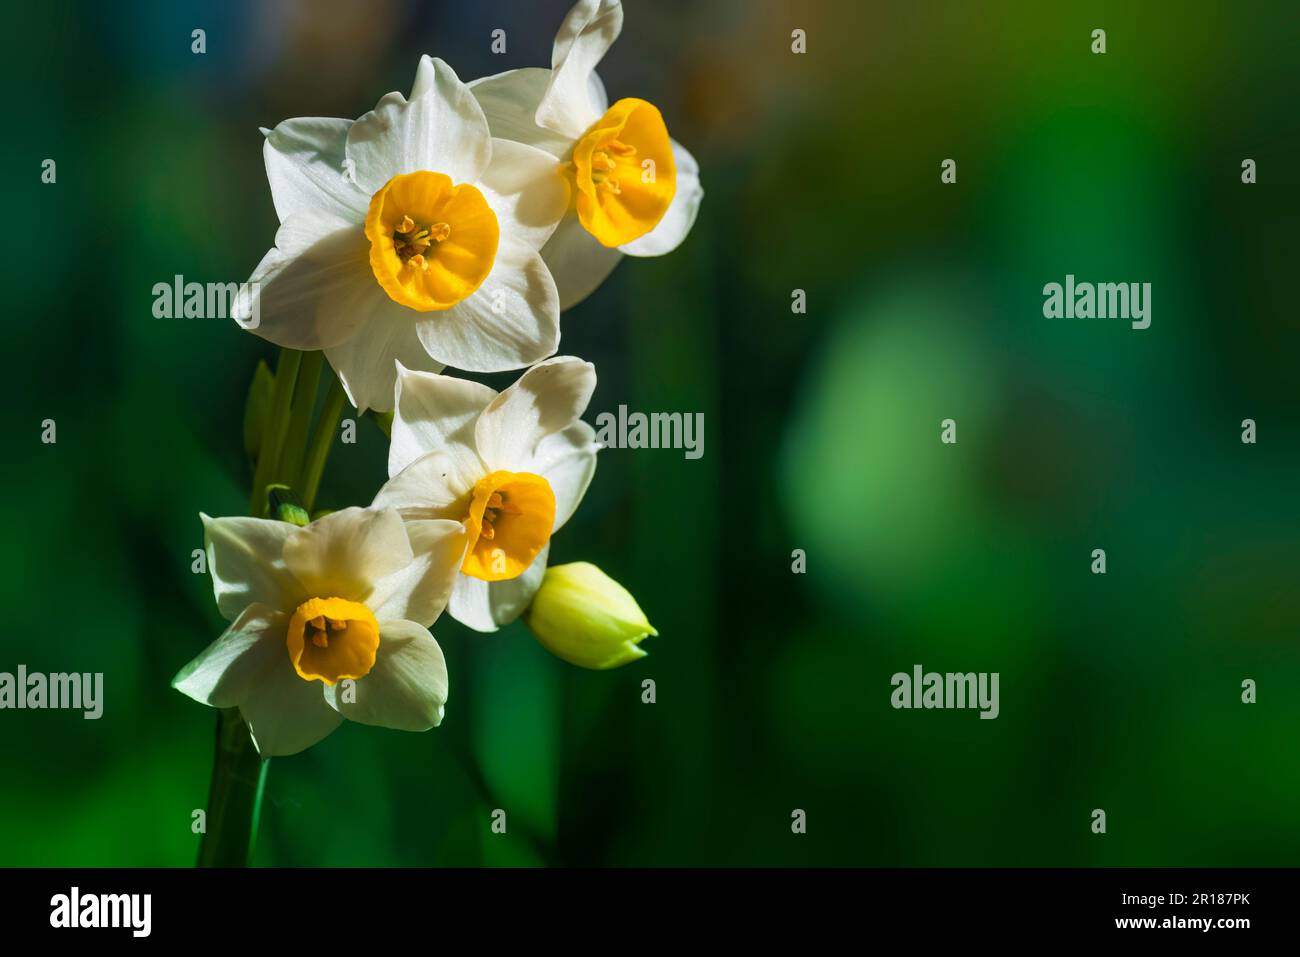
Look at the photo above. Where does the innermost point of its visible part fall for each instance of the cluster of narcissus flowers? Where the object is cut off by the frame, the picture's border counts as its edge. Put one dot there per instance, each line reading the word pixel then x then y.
pixel 447 229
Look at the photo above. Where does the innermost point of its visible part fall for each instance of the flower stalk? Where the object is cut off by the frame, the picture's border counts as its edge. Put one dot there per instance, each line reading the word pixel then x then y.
pixel 277 425
pixel 238 771
pixel 234 797
pixel 321 443
pixel 296 436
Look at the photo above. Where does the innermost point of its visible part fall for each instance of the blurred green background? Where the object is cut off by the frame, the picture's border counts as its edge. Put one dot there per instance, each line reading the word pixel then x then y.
pixel 821 173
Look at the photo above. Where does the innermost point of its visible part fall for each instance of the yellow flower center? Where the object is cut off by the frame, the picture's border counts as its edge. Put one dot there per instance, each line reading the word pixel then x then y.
pixel 331 639
pixel 624 173
pixel 431 243
pixel 510 518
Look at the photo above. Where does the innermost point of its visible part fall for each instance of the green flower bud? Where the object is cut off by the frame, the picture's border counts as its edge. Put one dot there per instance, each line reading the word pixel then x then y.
pixel 583 616
pixel 284 505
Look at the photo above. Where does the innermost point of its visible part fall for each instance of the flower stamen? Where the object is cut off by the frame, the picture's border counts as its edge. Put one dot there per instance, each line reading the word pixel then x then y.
pixel 412 241
pixel 319 627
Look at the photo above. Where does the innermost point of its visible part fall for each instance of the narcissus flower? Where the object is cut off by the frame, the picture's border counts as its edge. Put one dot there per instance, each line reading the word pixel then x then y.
pixel 582 615
pixel 410 235
pixel 329 621
pixel 634 189
pixel 509 467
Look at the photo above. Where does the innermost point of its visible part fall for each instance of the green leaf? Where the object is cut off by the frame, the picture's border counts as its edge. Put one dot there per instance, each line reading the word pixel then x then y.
pixel 256 407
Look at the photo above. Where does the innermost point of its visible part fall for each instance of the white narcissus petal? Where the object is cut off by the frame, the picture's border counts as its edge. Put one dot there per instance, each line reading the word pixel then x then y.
pixel 367 362
pixel 548 398
pixel 486 606
pixel 508 599
pixel 441 129
pixel 470 604
pixel 222 674
pixel 596 89
pixel 510 102
pixel 246 562
pixel 527 190
pixel 567 460
pixel 577 261
pixel 680 217
pixel 436 485
pixel 587 32
pixel 249 667
pixel 304 165
pixel 511 321
pixel 315 288
pixel 407 687
pixel 343 554
pixel 286 714
pixel 426 76
pixel 433 411
pixel 419 592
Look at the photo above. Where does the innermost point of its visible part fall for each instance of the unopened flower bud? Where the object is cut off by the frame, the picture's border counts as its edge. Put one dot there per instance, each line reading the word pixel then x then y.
pixel 583 616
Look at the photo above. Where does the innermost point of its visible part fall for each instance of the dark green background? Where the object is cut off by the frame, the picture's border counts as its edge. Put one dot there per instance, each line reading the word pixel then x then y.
pixel 821 173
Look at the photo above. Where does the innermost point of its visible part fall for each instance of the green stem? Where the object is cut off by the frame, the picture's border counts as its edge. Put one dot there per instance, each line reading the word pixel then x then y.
pixel 304 401
pixel 238 771
pixel 321 443
pixel 268 456
pixel 235 797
